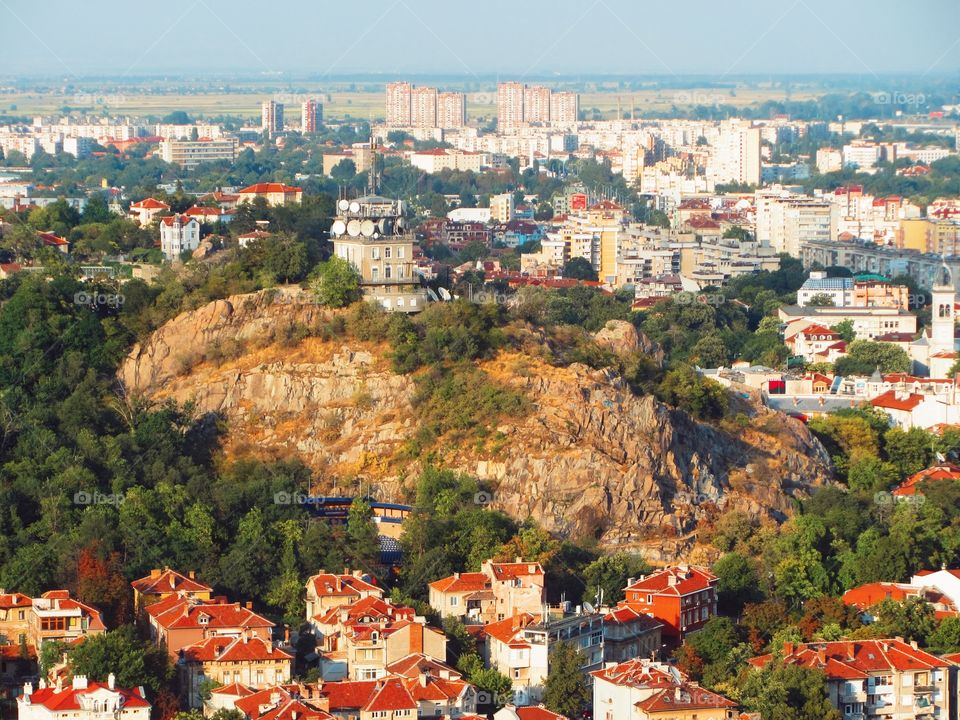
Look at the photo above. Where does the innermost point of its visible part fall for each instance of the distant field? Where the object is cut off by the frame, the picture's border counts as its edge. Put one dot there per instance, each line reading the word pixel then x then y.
pixel 360 104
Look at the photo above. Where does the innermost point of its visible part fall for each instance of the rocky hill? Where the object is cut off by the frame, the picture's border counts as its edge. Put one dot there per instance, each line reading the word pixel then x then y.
pixel 588 458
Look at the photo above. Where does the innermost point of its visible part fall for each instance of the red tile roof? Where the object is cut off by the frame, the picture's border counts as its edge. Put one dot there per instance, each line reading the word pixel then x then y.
pixel 68 698
pixel 390 695
pixel 506 630
pixel 870 594
pixel 330 584
pixel 269 187
pixel 418 664
pixel 149 204
pixel 14 600
pixel 223 648
pixel 182 219
pixel 514 570
pixel 890 401
pixel 538 713
pixel 855 659
pixel 50 239
pixel 462 582
pixel 61 601
pixel 685 581
pixel 689 695
pixel 946 471
pixel 169 581
pixel 348 694
pixel 176 611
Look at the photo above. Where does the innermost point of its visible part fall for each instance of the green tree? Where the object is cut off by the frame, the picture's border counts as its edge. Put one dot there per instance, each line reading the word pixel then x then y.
pixel 821 300
pixel 788 692
pixel 845 330
pixel 946 638
pixel 566 691
pixel 608 575
pixel 579 268
pixel 336 283
pixel 865 356
pixel 737 583
pixel 685 388
pixel 134 662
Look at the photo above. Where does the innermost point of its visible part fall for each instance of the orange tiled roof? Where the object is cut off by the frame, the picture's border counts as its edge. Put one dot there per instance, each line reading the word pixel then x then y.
pixel 690 580
pixel 169 581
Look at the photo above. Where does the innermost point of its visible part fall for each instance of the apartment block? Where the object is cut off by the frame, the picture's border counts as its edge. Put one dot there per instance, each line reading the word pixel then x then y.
pixel 423 107
pixel 398 104
pixel 451 110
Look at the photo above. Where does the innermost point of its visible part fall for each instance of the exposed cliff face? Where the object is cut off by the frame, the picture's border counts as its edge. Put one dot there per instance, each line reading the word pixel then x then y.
pixel 589 458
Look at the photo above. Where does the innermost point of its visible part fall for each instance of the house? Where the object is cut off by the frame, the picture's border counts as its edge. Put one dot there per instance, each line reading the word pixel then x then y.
pixel 82 700
pixel 56 242
pixel 161 584
pixel 641 689
pixel 146 210
pixel 178 234
pixel 178 621
pixel 276 194
pixel 247 238
pixel 249 660
pixel 361 639
pixel 15 611
pixel 812 340
pixel 531 712
pixel 911 486
pixel 873 679
pixel 864 597
pixel 908 410
pixel 683 598
pixel 519 646
pixel 209 215
pixel 330 590
pixel 384 699
pixel 629 633
pixel 56 616
pixel 500 590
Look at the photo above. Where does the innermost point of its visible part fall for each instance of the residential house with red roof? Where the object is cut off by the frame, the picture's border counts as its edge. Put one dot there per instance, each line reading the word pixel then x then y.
pixel 273 192
pixel 938 473
pixel 530 712
pixel 908 410
pixel 641 689
pixel 248 660
pixel 812 340
pixel 211 215
pixel 629 633
pixel 361 639
pixel 15 611
pixel 146 210
pixel 873 679
pixel 178 621
pixel 867 596
pixel 161 584
pixel 500 590
pixel 56 616
pixel 178 234
pixel 331 590
pixel 683 598
pixel 54 241
pixel 519 646
pixel 82 700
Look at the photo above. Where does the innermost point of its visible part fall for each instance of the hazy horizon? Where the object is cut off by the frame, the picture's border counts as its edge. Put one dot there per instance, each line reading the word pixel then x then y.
pixel 537 39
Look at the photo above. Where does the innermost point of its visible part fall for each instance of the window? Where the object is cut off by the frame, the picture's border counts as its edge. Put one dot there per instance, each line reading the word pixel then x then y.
pixel 376 253
pixel 454 601
pixel 649 599
pixel 386 271
pixel 386 252
pixel 400 252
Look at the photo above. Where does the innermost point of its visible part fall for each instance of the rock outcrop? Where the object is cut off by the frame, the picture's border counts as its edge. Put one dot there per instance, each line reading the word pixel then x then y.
pixel 590 458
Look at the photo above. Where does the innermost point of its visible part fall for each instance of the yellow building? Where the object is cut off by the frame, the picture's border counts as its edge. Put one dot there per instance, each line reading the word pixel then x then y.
pixel 935 236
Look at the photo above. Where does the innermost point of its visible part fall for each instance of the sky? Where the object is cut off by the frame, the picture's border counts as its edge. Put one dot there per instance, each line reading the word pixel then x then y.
pixel 509 38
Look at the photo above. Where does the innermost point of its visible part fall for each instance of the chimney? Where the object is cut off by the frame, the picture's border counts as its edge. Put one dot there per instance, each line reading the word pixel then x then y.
pixel 192 575
pixel 79 682
pixel 848 648
pixel 671 579
pixel 27 690
pixel 456 576
pixel 822 655
pixel 518 559
pixel 248 605
pixel 286 634
pixel 274 698
pixel 112 681
pixel 787 649
pixel 913 644
pixel 155 573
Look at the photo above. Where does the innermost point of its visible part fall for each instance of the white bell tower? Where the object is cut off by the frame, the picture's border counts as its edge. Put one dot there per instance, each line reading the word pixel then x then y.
pixel 942 321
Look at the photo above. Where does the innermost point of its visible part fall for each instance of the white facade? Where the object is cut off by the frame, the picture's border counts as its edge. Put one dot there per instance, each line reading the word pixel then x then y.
pixel 178 233
pixel 81 701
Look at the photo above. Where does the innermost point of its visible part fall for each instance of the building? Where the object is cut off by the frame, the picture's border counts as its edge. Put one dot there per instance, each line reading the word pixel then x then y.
pixel 161 584
pixel 874 679
pixel 371 234
pixel 498 591
pixel 311 116
pixel 15 611
pixel 451 110
pixel 178 621
pixel 146 210
pixel 82 700
pixel 530 712
pixel 629 633
pixel 866 597
pixel 360 155
pixel 868 323
pixel 210 215
pixel 938 473
pixel 641 689
pixel 509 106
pixel 930 235
pixel 361 639
pixel 57 617
pixel 433 161
pixel 271 117
pixel 501 208
pixel 861 155
pixel 398 104
pixel 519 646
pixel 564 107
pixel 178 234
pixel 250 661
pixel 536 105
pixel 190 153
pixel 423 107
pixel 787 222
pixel 276 194
pixel 683 598
pixel 829 160
pixel 330 590
pixel 736 156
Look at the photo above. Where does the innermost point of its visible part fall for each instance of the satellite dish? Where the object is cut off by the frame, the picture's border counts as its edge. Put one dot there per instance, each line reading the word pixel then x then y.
pixel 384 225
pixel 354 207
pixel 588 608
pixel 339 227
pixel 353 228
pixel 343 204
pixel 400 225
pixel 367 228
pixel 445 294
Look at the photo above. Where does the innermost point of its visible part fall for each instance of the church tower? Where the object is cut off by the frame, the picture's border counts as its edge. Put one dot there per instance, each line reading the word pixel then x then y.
pixel 942 320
